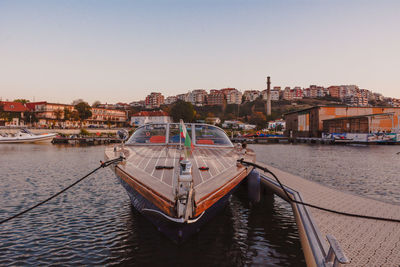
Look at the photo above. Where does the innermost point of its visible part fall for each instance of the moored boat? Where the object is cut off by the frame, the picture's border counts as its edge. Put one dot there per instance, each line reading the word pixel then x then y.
pixel 177 183
pixel 26 136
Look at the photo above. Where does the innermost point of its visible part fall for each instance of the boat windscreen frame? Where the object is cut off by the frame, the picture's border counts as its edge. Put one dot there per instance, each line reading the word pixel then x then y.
pixel 193 136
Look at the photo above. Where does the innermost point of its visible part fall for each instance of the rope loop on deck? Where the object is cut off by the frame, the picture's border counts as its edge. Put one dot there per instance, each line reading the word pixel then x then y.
pixel 243 162
pixel 102 165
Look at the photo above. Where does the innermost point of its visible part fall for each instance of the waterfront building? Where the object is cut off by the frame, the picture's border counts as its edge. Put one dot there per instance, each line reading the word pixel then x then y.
pixel 215 98
pixel 144 117
pixel 107 117
pixel 233 124
pixel 12 113
pixel 53 114
pixel 273 125
pixel 309 122
pixel 154 100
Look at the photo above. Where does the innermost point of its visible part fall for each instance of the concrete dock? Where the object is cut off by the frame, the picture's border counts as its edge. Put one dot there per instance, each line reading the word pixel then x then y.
pixel 365 242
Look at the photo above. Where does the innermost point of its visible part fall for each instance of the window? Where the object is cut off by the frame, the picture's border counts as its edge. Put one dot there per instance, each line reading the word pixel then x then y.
pixel 211 135
pixel 174 133
pixel 149 134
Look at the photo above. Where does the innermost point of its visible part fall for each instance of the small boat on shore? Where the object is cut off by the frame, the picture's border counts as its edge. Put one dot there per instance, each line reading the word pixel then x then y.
pixel 177 183
pixel 26 136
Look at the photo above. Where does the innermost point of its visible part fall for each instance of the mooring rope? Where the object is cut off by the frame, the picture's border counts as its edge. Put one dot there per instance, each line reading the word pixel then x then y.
pixel 102 165
pixel 311 205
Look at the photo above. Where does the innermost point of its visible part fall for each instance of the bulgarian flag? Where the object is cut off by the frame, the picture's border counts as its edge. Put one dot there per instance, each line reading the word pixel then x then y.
pixel 185 134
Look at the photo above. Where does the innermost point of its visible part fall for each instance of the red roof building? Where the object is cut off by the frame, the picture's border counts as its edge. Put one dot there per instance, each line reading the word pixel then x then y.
pixel 13 106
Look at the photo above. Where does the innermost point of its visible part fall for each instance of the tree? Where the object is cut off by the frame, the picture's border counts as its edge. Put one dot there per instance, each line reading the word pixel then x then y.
pixel 84 111
pixel 23 101
pixel 96 104
pixel 59 114
pixel 182 110
pixel 67 114
pixel 30 117
pixel 258 119
pixel 77 101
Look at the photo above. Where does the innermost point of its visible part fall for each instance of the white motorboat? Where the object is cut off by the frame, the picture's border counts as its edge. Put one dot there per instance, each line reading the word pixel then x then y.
pixel 26 136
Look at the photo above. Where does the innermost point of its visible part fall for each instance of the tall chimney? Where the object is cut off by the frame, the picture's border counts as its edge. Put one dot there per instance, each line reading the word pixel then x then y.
pixel 268 96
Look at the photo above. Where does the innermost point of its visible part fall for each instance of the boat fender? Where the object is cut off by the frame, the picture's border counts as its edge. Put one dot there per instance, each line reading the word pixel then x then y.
pixel 254 186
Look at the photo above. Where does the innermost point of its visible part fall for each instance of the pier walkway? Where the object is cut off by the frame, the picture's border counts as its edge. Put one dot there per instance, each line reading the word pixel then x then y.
pixel 365 242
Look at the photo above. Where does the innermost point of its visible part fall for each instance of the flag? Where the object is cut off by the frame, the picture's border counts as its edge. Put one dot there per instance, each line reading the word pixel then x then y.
pixel 185 134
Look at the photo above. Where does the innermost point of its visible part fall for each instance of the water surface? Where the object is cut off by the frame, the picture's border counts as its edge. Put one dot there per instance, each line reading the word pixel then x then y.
pixel 372 171
pixel 95 224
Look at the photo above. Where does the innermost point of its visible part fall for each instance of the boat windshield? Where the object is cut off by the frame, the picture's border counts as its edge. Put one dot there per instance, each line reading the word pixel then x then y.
pixel 149 133
pixel 203 135
pixel 175 136
pixel 211 135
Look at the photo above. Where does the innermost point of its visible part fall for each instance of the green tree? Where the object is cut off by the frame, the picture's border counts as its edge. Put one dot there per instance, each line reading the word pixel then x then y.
pixel 84 111
pixel 67 114
pixel 59 114
pixel 96 104
pixel 23 101
pixel 258 119
pixel 182 110
pixel 77 101
pixel 30 117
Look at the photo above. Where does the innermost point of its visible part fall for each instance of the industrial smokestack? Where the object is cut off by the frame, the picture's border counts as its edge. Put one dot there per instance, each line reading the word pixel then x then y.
pixel 268 96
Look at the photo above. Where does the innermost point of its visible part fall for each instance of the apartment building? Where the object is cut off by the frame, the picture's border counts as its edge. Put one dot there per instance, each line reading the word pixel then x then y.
pixel 216 97
pixel 233 96
pixel 197 97
pixel 251 95
pixel 170 100
pixel 154 100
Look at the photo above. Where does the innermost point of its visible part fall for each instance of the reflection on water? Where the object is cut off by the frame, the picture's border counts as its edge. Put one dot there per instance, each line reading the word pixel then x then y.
pixel 95 224
pixel 371 171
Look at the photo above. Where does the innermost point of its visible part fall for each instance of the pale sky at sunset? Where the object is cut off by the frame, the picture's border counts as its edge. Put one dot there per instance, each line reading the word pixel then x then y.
pixel 122 50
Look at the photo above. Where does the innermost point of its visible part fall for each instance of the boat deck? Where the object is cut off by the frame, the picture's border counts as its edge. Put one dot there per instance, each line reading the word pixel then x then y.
pixel 222 170
pixel 365 242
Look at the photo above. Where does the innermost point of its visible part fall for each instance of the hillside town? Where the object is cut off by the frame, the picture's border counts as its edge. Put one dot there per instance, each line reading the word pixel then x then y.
pixel 227 107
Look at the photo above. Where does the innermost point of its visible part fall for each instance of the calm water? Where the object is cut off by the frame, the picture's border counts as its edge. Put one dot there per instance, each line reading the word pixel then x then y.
pixel 372 171
pixel 94 223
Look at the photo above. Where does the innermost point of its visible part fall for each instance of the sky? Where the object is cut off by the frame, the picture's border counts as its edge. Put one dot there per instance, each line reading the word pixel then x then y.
pixel 120 51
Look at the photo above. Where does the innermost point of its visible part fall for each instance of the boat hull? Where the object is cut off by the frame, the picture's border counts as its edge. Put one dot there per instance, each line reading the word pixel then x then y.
pixel 36 139
pixel 177 232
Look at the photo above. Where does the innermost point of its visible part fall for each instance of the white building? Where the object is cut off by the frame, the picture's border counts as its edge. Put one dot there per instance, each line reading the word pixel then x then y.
pixel 272 125
pixel 251 95
pixel 144 117
pixel 274 94
pixel 197 97
pixel 170 100
pixel 137 104
pixel 238 125
pixel 234 97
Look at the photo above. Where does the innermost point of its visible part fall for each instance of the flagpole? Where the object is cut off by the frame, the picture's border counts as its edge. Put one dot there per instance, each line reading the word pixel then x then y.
pixel 180 135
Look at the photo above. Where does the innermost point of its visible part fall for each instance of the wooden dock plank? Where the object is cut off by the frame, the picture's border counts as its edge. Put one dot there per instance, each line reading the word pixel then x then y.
pixel 365 242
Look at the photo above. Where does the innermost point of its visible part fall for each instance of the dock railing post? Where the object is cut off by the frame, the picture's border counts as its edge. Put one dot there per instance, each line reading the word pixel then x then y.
pixel 335 256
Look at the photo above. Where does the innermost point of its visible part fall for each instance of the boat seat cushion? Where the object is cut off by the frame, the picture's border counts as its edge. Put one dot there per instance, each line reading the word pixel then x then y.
pixel 205 142
pixel 157 139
